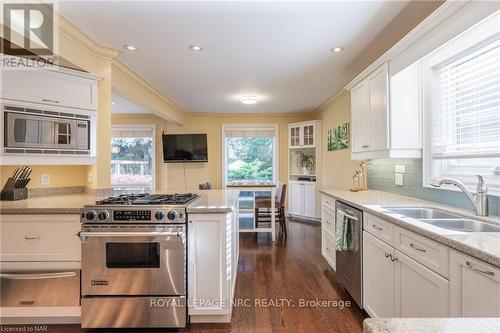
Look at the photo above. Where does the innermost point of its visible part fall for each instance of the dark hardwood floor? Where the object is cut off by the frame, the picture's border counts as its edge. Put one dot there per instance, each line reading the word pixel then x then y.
pixel 284 273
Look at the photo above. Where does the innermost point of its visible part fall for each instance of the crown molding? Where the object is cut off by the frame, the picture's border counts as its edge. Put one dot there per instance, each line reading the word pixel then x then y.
pixel 76 35
pixel 328 101
pixel 120 66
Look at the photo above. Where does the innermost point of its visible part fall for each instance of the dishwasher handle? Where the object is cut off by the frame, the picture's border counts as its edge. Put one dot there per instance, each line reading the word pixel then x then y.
pixel 36 276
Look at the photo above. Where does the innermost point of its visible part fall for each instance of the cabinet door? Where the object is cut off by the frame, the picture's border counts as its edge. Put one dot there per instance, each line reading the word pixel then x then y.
pixel 360 117
pixel 378 278
pixel 474 287
pixel 378 127
pixel 50 87
pixel 295 198
pixel 419 291
pixel 328 247
pixel 295 136
pixel 309 199
pixel 308 136
pixel 208 265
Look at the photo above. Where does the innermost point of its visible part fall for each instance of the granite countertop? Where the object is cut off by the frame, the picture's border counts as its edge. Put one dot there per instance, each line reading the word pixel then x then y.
pixel 211 201
pixel 431 325
pixel 484 246
pixel 215 201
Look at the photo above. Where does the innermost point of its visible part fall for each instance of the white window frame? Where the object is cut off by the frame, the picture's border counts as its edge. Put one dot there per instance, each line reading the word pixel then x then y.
pixel 249 127
pixel 139 128
pixel 472 36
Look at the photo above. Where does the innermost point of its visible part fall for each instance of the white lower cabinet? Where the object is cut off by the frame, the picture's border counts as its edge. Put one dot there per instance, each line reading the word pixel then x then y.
pixel 379 275
pixel 475 287
pixel 328 232
pixel 419 291
pixel 395 285
pixel 212 255
pixel 302 199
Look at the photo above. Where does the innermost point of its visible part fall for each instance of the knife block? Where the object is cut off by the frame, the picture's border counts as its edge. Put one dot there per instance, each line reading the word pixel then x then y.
pixel 10 193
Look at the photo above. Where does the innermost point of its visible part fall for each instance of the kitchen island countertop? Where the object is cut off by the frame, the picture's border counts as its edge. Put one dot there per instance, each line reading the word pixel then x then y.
pixel 211 201
pixel 431 325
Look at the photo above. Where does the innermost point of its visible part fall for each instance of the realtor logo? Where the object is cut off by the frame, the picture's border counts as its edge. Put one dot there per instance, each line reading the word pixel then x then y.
pixel 28 29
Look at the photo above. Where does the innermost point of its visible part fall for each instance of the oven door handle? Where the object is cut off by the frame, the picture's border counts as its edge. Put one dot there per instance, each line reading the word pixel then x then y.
pixel 36 276
pixel 83 234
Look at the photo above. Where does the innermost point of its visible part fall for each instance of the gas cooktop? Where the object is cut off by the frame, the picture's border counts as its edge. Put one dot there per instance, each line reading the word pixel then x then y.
pixel 149 199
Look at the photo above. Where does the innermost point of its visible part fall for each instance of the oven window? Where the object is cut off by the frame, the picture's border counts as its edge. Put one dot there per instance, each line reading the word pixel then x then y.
pixel 132 255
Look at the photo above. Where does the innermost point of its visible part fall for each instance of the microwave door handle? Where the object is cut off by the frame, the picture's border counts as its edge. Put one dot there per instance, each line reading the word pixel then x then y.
pixel 127 234
pixel 36 276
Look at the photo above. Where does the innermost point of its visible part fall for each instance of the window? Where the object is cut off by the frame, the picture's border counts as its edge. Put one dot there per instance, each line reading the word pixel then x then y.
pixel 132 158
pixel 462 108
pixel 250 153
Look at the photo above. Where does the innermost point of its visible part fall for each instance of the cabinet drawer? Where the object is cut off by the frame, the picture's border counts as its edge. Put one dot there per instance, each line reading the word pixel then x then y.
pixel 328 202
pixel 328 247
pixel 423 250
pixel 39 238
pixel 328 219
pixel 379 228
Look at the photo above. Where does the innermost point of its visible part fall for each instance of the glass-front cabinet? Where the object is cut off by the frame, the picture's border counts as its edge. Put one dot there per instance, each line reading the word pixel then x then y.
pixel 302 136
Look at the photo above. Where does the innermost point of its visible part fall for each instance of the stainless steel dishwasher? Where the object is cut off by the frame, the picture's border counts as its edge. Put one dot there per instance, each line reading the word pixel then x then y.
pixel 348 246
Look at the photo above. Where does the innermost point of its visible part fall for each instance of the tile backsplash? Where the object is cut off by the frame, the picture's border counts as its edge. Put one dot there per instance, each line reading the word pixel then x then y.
pixel 381 176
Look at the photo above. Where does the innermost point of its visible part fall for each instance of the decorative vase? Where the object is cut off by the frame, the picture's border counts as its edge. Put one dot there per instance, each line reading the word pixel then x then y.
pixel 306 171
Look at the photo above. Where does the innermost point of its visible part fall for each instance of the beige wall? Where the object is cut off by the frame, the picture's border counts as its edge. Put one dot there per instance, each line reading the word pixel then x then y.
pixel 337 166
pixel 68 175
pixel 171 176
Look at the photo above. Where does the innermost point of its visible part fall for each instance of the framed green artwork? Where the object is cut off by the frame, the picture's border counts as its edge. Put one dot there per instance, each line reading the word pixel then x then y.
pixel 338 138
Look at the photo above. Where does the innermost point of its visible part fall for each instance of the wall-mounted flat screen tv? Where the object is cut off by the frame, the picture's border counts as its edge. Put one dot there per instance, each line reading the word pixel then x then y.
pixel 179 148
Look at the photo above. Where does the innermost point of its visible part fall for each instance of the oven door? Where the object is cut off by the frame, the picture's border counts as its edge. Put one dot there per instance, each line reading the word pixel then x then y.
pixel 132 262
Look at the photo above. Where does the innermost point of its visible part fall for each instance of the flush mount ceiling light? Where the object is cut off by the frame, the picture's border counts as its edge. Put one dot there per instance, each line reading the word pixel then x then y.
pixel 129 47
pixel 336 49
pixel 249 99
pixel 195 48
pixel 113 103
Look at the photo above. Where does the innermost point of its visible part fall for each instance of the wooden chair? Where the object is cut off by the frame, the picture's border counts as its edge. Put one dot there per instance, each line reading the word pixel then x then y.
pixel 205 186
pixel 263 208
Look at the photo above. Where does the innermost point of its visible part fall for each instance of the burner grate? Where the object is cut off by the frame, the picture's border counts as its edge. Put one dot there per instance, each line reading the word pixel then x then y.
pixel 149 199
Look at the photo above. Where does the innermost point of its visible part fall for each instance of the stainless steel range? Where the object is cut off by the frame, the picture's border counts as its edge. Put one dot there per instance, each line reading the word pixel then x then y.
pixel 134 261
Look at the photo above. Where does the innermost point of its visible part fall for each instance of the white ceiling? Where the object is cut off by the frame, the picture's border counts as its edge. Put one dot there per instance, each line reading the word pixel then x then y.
pixel 123 105
pixel 279 51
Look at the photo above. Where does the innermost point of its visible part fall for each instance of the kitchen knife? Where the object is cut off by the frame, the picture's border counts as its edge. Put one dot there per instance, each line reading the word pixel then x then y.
pixel 16 174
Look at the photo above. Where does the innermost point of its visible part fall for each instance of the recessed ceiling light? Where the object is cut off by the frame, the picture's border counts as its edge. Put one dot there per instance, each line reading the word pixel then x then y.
pixel 337 49
pixel 113 103
pixel 130 47
pixel 195 48
pixel 249 99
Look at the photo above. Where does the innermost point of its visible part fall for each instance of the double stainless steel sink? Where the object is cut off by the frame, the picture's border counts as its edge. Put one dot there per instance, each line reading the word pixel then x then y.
pixel 443 219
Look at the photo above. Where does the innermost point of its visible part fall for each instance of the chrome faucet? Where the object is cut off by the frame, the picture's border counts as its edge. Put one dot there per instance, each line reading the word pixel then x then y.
pixel 479 199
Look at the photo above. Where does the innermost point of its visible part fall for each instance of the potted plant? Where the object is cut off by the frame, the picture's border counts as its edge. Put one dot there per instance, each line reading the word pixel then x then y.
pixel 305 160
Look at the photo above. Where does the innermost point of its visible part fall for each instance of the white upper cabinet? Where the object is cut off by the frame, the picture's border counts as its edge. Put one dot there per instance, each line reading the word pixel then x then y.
pixel 385 115
pixel 302 135
pixel 70 89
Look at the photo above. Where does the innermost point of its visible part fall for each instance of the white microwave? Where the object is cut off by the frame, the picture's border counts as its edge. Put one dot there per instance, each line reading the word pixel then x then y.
pixel 30 130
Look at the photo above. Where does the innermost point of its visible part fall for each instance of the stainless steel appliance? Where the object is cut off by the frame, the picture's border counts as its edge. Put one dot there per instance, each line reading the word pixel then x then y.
pixel 39 131
pixel 40 288
pixel 349 249
pixel 134 261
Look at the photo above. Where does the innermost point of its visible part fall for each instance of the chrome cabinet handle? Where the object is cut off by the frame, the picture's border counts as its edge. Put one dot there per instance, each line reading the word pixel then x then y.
pixel 471 266
pixel 32 237
pixel 377 228
pixel 50 100
pixel 413 246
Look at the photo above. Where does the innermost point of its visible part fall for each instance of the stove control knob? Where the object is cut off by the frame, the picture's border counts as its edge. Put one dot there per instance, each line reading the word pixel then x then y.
pixel 172 215
pixel 90 215
pixel 103 215
pixel 159 215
